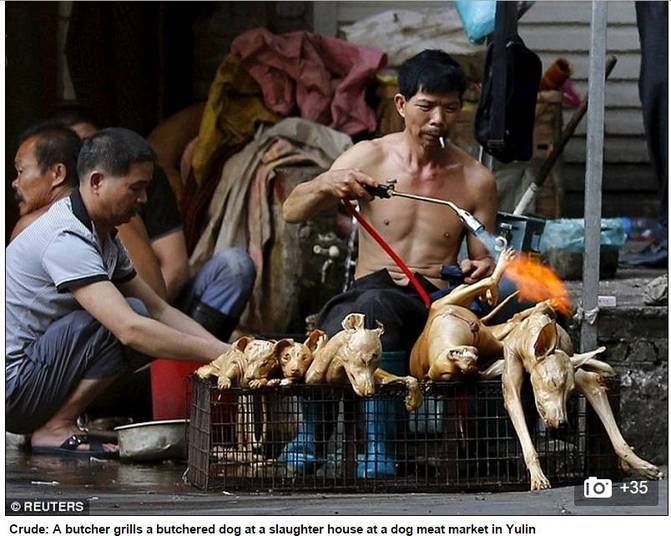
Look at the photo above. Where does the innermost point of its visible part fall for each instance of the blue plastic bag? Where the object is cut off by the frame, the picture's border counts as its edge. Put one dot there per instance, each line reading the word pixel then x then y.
pixel 569 234
pixel 477 16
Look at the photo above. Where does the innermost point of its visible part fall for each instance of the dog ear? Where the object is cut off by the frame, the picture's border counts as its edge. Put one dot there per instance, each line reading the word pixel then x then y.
pixel 578 360
pixel 282 345
pixel 315 339
pixel 546 339
pixel 353 321
pixel 380 327
pixel 242 343
pixel 600 367
pixel 495 370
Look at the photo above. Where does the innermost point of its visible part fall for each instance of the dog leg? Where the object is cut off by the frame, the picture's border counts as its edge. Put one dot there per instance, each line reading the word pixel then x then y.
pixel 414 397
pixel 264 382
pixel 228 375
pixel 513 377
pixel 592 386
pixel 316 373
pixel 464 294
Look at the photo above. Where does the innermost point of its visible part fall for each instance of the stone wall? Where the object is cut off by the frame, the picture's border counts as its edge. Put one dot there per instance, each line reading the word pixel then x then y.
pixel 636 339
pixel 637 343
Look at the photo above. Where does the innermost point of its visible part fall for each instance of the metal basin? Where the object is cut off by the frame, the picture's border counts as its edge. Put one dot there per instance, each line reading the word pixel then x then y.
pixel 153 441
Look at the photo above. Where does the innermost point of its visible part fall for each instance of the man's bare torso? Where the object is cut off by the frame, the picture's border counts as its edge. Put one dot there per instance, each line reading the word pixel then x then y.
pixel 426 236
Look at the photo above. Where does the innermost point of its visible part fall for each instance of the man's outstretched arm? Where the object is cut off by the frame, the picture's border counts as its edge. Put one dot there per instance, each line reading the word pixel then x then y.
pixel 343 181
pixel 166 334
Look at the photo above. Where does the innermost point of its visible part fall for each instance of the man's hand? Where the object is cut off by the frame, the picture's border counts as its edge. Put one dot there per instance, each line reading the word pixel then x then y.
pixel 347 184
pixel 475 270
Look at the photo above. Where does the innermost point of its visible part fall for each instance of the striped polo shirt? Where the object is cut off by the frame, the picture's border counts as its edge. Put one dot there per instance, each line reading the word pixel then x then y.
pixel 56 253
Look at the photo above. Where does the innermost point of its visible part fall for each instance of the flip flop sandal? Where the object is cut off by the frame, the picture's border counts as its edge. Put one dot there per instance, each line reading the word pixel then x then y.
pixel 69 449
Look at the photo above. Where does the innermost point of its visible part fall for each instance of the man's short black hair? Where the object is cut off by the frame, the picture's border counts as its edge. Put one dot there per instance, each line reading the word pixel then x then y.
pixel 73 113
pixel 55 144
pixel 113 150
pixel 431 71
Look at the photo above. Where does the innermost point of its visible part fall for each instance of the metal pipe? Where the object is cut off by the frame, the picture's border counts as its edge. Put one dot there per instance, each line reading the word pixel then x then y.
pixel 470 221
pixel 594 175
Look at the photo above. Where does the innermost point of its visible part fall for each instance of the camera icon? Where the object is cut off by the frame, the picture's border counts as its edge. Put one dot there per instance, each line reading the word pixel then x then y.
pixel 597 488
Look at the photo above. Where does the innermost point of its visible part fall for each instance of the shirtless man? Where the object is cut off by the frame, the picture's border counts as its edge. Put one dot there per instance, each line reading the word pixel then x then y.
pixel 427 237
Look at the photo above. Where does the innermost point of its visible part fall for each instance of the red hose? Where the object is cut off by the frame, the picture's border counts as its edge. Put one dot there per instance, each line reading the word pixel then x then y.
pixel 399 262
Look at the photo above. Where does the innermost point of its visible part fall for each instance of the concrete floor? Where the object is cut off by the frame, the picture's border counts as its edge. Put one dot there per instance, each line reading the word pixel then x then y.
pixel 627 286
pixel 116 488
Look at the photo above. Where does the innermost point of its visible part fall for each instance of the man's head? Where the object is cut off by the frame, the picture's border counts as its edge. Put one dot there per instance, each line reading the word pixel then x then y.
pixel 115 167
pixel 78 118
pixel 46 165
pixel 431 86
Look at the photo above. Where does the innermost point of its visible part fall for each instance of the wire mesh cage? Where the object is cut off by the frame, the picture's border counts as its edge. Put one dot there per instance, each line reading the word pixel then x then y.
pixel 325 438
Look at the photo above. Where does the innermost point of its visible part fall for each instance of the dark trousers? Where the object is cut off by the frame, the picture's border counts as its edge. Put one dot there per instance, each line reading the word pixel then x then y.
pixel 73 348
pixel 652 20
pixel 399 309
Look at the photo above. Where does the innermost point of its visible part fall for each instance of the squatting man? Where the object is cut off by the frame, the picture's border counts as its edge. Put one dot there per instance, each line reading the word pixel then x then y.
pixel 77 313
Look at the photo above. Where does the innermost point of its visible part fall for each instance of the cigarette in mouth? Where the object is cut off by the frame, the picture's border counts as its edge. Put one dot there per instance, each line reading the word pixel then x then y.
pixel 442 142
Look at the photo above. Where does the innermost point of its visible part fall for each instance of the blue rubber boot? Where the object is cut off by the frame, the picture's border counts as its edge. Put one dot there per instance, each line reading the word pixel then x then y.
pixel 302 455
pixel 381 415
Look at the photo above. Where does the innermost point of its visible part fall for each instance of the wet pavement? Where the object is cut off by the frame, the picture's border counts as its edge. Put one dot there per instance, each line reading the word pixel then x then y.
pixel 115 488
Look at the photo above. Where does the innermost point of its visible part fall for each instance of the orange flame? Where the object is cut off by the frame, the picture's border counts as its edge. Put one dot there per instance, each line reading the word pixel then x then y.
pixel 536 282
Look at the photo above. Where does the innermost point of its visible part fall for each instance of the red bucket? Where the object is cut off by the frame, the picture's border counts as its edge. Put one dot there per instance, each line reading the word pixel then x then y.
pixel 170 387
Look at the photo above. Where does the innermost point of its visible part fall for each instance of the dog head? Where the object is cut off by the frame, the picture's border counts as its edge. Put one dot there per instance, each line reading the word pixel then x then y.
pixel 536 341
pixel 360 353
pixel 460 359
pixel 552 382
pixel 295 358
pixel 261 359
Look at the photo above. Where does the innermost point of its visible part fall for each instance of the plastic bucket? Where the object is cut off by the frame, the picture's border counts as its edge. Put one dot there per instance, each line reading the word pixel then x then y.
pixel 170 388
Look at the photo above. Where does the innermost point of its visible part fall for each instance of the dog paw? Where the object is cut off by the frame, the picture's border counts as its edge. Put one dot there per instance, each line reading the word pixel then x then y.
pixel 274 382
pixel 630 463
pixel 257 384
pixel 224 383
pixel 507 255
pixel 414 396
pixel 648 470
pixel 286 381
pixel 204 371
pixel 539 481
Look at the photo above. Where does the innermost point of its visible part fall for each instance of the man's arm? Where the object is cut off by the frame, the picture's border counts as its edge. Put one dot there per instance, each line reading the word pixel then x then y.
pixel 170 250
pixel 342 181
pixel 136 241
pixel 162 311
pixel 481 262
pixel 147 335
